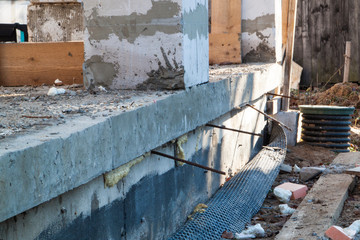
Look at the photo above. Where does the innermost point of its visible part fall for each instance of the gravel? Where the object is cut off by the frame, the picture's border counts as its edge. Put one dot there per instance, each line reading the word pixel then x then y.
pixel 27 109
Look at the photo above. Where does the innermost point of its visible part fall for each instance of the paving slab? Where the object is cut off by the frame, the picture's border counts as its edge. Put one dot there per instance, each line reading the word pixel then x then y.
pixel 323 204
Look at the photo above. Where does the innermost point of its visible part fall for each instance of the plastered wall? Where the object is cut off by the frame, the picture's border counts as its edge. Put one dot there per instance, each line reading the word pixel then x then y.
pixel 145 44
pixel 261 30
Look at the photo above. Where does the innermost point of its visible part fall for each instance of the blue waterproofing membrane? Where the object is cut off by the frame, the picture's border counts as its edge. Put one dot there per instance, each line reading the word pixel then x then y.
pixel 233 206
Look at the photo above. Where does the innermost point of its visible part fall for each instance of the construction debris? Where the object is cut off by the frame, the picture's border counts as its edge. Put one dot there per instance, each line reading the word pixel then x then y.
pixel 308 173
pixel 297 190
pixel 286 210
pixel 251 232
pixel 58 82
pixel 286 168
pixel 282 194
pixel 56 91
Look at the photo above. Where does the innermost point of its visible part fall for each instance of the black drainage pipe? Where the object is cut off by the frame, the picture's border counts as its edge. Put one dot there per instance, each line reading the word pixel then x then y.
pixel 327 126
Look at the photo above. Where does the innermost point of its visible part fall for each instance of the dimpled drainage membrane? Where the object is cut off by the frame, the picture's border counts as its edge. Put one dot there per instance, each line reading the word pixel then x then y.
pixel 233 206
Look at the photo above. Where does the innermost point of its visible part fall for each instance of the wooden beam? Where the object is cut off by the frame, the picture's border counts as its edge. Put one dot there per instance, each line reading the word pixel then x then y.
pixel 289 52
pixel 285 13
pixel 347 62
pixel 41 63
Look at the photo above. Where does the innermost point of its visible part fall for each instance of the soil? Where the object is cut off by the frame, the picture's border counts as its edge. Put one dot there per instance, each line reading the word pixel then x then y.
pixel 302 155
pixel 27 109
pixel 351 210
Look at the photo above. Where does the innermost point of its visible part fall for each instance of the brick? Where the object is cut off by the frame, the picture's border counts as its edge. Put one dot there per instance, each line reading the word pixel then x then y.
pixel 337 233
pixel 297 190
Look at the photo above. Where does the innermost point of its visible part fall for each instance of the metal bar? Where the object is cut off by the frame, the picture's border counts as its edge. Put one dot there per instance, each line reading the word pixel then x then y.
pixel 270 117
pixel 232 129
pixel 279 95
pixel 187 162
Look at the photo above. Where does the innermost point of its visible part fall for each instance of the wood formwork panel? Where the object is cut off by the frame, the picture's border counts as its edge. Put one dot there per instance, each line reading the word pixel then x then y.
pixel 224 39
pixel 224 48
pixel 41 63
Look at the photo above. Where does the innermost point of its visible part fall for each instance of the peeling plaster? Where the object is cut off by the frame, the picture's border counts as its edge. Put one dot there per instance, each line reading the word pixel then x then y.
pixel 258 24
pixel 164 16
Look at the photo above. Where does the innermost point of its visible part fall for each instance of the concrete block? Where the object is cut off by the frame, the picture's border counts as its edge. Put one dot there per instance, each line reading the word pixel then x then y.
pixel 298 190
pixel 308 173
pixel 286 168
pixel 146 44
pixel 290 119
pixel 55 22
pixel 337 233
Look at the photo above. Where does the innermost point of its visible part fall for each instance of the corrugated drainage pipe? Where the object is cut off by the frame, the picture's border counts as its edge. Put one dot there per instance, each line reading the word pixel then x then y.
pixel 327 126
pixel 233 206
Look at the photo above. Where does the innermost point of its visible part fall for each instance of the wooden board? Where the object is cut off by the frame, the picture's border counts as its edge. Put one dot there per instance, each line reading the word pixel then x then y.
pixel 226 16
pixel 41 63
pixel 354 171
pixel 224 48
pixel 224 39
pixel 285 12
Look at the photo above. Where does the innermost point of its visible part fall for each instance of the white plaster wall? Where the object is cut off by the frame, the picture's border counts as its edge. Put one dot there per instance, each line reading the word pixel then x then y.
pixel 13 11
pixel 252 9
pixel 133 61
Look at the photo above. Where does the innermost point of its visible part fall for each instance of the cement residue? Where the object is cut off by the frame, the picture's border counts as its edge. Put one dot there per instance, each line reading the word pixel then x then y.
pixel 28 109
pixel 166 77
pixel 95 69
pixel 164 16
pixel 262 53
pixel 258 24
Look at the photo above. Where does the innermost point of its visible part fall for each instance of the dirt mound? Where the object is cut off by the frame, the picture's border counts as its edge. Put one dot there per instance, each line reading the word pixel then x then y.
pixel 341 94
pixel 305 155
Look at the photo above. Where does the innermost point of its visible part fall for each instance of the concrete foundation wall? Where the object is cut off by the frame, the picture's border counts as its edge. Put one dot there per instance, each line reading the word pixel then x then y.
pixel 155 198
pixel 261 30
pixel 55 22
pixel 146 44
pixel 41 166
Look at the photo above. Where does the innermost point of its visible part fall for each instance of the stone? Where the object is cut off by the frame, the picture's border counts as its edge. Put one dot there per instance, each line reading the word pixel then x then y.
pixel 286 168
pixel 308 173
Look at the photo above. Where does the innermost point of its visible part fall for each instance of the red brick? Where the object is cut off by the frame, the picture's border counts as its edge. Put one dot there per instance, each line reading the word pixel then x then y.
pixel 298 190
pixel 337 233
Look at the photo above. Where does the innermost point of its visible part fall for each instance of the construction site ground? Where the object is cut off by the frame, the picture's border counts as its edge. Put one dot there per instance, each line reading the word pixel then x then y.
pixel 304 155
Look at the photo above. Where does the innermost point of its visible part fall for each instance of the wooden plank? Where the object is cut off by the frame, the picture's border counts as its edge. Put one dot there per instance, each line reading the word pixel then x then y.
pixel 347 62
pixel 226 16
pixel 285 11
pixel 41 63
pixel 353 171
pixel 289 52
pixel 224 48
pixel 224 39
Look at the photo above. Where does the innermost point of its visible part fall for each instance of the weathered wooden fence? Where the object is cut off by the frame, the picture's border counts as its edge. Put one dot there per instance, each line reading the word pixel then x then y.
pixel 323 27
